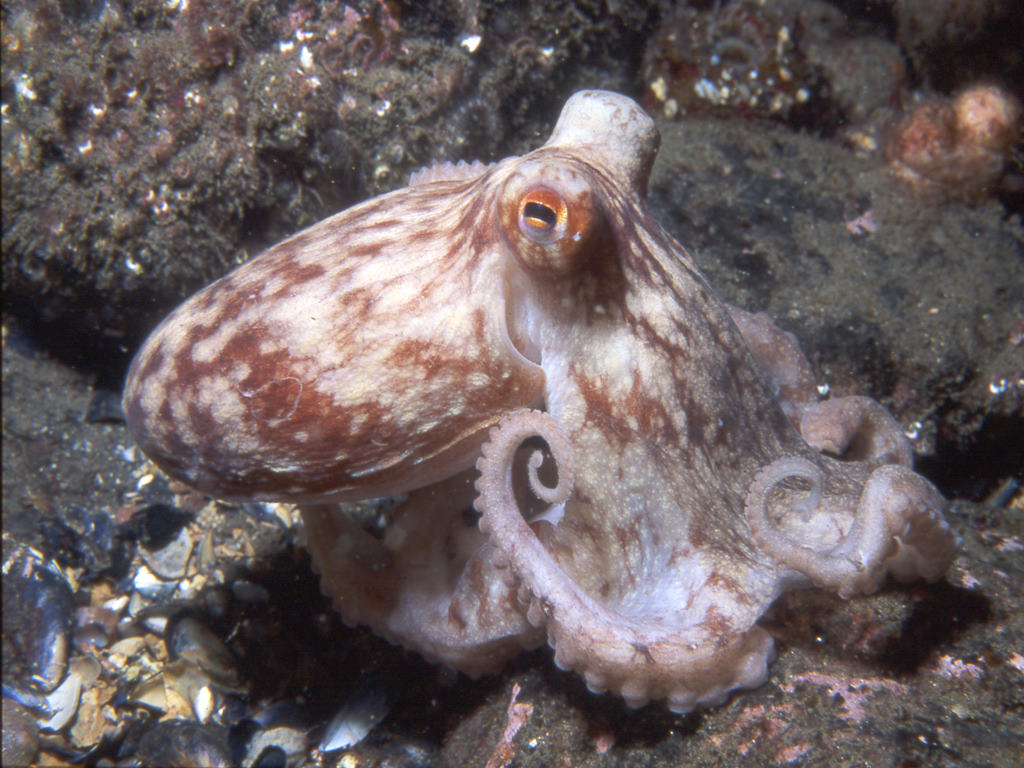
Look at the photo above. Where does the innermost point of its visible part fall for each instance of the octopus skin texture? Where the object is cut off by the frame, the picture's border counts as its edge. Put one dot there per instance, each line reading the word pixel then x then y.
pixel 590 448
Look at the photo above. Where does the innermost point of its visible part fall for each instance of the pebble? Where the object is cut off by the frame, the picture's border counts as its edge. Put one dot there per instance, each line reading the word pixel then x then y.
pixel 248 592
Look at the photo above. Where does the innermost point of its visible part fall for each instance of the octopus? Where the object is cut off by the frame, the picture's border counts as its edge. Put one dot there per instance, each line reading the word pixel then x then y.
pixel 585 445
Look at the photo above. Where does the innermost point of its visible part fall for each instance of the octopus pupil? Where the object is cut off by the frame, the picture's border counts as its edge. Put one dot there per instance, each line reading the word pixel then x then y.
pixel 539 215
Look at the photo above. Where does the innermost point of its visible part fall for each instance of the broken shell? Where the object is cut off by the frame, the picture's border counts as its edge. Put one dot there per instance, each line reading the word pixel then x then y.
pixel 90 638
pixel 170 561
pixel 149 585
pixel 280 746
pixel 176 742
pixel 88 540
pixel 206 554
pixel 62 704
pixel 37 623
pixel 155 624
pixel 204 702
pixel 177 690
pixel 94 626
pixel 188 638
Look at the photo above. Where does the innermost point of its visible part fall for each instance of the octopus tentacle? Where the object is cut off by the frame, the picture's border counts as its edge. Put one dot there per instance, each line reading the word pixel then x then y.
pixel 823 569
pixel 780 359
pixel 560 448
pixel 898 527
pixel 641 658
pixel 497 455
pixel 914 513
pixel 420 584
pixel 857 428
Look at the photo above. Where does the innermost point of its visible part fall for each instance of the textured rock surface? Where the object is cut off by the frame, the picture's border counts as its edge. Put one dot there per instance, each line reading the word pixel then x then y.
pixel 917 304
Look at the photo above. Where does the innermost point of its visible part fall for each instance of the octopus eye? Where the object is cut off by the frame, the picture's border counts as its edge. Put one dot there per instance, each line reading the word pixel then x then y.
pixel 542 216
pixel 549 225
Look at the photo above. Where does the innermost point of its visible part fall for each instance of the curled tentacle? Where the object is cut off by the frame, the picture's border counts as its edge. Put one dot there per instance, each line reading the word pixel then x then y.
pixel 898 527
pixel 641 657
pixel 802 556
pixel 563 458
pixel 498 453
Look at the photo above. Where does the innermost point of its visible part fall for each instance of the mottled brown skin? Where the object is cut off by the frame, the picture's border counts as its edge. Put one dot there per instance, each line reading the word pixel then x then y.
pixel 287 406
pixel 390 348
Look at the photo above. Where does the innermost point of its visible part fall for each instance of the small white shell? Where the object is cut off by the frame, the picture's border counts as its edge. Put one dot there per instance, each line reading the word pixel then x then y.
pixel 361 712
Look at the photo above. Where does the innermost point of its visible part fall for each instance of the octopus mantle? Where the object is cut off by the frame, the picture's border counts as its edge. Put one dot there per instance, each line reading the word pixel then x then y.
pixel 592 449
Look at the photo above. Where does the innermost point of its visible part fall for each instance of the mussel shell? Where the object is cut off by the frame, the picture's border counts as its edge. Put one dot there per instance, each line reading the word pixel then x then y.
pixel 37 628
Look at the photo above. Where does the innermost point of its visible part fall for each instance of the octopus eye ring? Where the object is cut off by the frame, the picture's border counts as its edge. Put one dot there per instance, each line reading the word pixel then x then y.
pixel 543 215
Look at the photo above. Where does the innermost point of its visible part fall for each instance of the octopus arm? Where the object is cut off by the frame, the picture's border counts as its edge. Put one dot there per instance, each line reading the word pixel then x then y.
pixel 640 658
pixel 856 428
pixel 780 360
pixel 898 528
pixel 432 583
